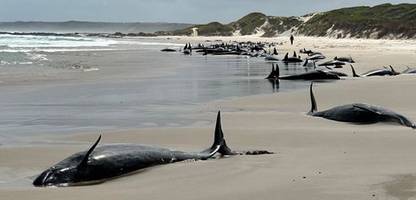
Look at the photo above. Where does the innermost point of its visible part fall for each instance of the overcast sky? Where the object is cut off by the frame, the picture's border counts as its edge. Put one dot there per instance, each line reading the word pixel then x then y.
pixel 189 11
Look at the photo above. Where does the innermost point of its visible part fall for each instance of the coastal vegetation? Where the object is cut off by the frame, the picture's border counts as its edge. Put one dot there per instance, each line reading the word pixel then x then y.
pixel 382 21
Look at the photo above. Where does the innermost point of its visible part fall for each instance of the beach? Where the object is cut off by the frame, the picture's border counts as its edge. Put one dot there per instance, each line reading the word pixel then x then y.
pixel 314 158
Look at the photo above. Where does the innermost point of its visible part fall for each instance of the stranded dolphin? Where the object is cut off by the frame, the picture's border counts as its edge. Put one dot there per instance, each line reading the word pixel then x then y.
pixel 311 75
pixel 345 59
pixel 293 59
pixel 359 113
pixel 99 164
pixel 376 72
pixel 409 71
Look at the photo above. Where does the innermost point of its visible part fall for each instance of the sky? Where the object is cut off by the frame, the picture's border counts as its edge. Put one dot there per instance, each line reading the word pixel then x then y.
pixel 184 11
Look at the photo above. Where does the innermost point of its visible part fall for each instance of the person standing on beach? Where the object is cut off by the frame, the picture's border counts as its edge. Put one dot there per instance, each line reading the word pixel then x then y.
pixel 292 39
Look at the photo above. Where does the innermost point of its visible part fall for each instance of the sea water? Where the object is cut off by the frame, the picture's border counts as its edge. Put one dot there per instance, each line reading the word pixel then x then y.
pixel 136 85
pixel 25 49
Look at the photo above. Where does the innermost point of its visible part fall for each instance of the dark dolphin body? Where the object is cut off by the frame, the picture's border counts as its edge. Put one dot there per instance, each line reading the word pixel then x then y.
pixel 110 161
pixel 306 51
pixel 359 113
pixel 340 74
pixel 274 75
pixel 335 63
pixel 345 59
pixel 376 72
pixel 316 57
pixel 311 75
pixel 309 52
pixel 293 59
pixel 168 50
pixel 271 58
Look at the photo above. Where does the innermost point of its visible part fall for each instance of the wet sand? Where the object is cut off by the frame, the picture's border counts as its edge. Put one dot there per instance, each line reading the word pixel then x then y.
pixel 315 158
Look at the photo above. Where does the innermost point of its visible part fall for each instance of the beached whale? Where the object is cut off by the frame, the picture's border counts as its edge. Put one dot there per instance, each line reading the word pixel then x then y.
pixel 305 51
pixel 99 164
pixel 271 58
pixel 377 72
pixel 336 63
pixel 309 52
pixel 313 58
pixel 340 74
pixel 409 71
pixel 293 59
pixel 316 57
pixel 311 75
pixel 168 50
pixel 345 59
pixel 274 75
pixel 358 113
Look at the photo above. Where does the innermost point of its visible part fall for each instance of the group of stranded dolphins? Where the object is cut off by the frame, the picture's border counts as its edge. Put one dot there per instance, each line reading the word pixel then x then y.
pixel 106 162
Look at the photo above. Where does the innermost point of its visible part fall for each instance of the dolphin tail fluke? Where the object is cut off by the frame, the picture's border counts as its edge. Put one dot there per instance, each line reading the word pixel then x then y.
pixel 354 74
pixel 313 102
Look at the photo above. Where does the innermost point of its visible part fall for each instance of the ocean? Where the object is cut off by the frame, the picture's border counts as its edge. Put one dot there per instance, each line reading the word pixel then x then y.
pixel 66 85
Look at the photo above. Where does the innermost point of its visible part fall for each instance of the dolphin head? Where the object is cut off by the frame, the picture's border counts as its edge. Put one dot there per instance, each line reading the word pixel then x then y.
pixel 73 170
pixel 57 176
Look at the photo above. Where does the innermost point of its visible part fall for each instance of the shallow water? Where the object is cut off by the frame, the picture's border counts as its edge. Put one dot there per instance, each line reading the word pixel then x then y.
pixel 119 97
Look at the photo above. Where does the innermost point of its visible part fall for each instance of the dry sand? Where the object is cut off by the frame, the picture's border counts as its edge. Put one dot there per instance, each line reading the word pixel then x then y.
pixel 315 159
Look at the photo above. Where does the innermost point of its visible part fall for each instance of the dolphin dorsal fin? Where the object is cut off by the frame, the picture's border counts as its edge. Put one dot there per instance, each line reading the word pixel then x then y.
pixel 84 161
pixel 354 74
pixel 313 102
pixel 218 135
pixel 392 70
pixel 306 62
pixel 219 145
pixel 277 73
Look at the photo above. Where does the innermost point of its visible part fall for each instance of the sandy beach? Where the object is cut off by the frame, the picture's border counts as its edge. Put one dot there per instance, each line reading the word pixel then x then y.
pixel 315 159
